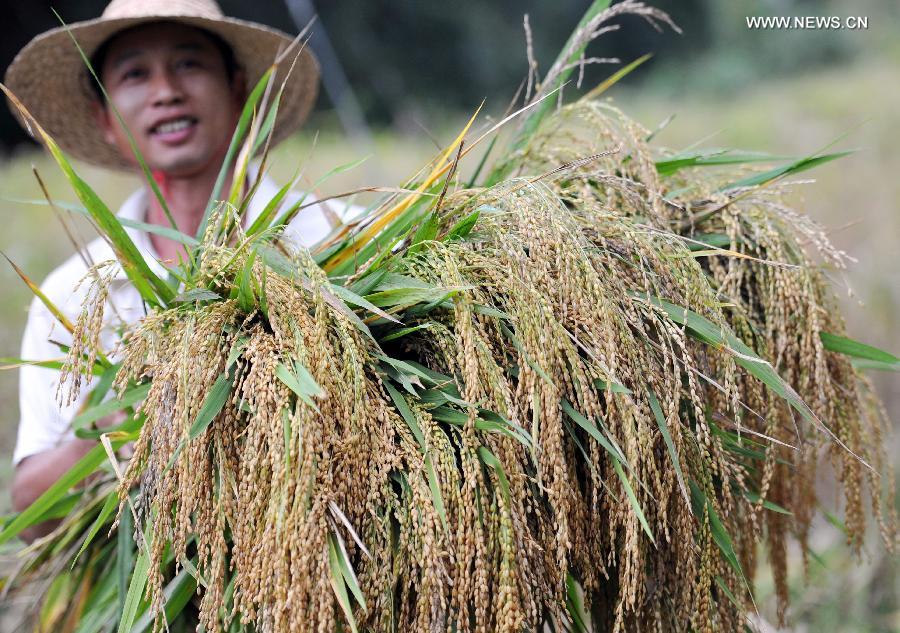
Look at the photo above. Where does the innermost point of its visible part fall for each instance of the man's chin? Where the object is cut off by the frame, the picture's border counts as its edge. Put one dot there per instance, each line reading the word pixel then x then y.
pixel 183 166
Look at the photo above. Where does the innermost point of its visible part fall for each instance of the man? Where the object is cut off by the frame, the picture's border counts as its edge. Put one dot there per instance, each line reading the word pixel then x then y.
pixel 178 73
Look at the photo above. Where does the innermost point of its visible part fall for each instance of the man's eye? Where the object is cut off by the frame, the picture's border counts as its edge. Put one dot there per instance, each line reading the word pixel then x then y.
pixel 133 73
pixel 188 63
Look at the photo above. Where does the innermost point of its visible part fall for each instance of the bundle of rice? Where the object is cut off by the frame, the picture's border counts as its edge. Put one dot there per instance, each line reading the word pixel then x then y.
pixel 578 396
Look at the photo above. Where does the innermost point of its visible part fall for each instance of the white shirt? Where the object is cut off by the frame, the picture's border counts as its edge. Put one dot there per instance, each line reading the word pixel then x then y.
pixel 44 424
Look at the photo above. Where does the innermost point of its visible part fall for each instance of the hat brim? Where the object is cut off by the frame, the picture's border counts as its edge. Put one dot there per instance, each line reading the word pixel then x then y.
pixel 48 77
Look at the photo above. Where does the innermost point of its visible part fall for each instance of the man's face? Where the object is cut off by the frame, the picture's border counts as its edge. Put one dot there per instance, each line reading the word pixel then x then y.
pixel 170 85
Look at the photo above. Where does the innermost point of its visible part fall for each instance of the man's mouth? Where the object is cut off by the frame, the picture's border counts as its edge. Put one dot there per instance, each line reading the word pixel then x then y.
pixel 173 127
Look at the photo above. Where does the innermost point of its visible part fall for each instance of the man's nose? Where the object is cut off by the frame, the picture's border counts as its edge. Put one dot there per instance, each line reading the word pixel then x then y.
pixel 166 89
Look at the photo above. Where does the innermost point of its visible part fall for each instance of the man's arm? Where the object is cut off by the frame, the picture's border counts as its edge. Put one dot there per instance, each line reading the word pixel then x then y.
pixel 36 473
pixel 45 447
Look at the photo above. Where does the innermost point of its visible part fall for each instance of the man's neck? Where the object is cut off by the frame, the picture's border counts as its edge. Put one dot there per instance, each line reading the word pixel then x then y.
pixel 186 198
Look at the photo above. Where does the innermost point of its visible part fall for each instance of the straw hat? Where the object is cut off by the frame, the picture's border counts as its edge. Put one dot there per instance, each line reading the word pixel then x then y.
pixel 49 76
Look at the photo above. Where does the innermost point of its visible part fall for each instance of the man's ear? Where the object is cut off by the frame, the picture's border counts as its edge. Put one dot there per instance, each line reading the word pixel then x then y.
pixel 104 121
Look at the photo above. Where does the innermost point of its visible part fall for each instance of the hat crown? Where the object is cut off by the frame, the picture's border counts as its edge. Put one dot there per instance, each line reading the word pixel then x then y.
pixel 147 8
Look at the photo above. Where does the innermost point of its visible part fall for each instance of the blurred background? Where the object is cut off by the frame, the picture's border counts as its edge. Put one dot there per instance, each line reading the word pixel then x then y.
pixel 401 75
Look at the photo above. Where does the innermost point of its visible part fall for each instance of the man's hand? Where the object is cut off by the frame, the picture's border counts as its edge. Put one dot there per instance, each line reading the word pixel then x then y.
pixel 36 473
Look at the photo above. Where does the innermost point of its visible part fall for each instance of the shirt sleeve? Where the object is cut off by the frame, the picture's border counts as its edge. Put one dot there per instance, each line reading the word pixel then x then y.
pixel 43 422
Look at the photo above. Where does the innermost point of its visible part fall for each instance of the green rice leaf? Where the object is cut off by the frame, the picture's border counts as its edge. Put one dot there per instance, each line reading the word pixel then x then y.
pixel 670 445
pixel 130 398
pixel 835 521
pixel 124 558
pixel 411 369
pixel 855 349
pixel 491 312
pixel 407 415
pixel 301 382
pixel 859 363
pixel 63 507
pixel 491 460
pixel 130 425
pixel 435 487
pixel 58 596
pixel 704 508
pixel 156 229
pixel 728 594
pixel 7 362
pixel 354 299
pixel 191 567
pixel 264 219
pixel 135 590
pixel 35 289
pixel 426 232
pixel 99 392
pixel 795 167
pixel 575 606
pixel 196 294
pixel 268 123
pixel 461 229
pixel 347 571
pixel 508 426
pixel 617 76
pixel 716 240
pixel 396 289
pixel 411 296
pixel 723 540
pixel 111 503
pixel 100 610
pixel 212 405
pixel 591 429
pixel 406 330
pixel 176 596
pixel 711 157
pixel 34 513
pixel 632 499
pixel 768 505
pixel 481 163
pixel 338 584
pixel 613 387
pixel 163 231
pixel 246 297
pixel 459 419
